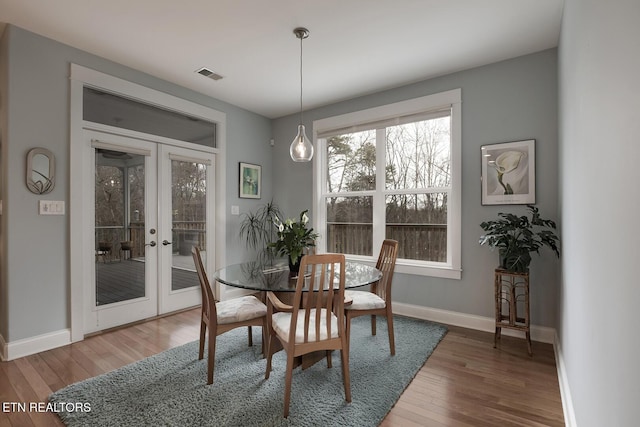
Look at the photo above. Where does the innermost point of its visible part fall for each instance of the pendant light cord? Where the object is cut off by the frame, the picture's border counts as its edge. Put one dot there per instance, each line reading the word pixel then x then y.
pixel 301 38
pixel 301 149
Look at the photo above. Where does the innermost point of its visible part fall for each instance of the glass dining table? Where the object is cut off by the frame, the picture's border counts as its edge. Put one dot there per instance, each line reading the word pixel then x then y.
pixel 276 277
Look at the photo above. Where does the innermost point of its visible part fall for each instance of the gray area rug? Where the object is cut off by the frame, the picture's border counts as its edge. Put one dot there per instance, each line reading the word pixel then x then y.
pixel 169 388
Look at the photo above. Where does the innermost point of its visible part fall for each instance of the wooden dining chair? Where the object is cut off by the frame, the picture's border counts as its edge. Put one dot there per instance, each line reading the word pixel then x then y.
pixel 377 302
pixel 223 316
pixel 316 324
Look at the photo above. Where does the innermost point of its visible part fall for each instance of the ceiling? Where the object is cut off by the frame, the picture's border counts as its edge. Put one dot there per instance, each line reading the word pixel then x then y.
pixel 355 47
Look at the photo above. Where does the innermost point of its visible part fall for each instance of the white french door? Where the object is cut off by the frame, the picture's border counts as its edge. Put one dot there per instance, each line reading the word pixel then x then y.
pixel 186 208
pixel 151 203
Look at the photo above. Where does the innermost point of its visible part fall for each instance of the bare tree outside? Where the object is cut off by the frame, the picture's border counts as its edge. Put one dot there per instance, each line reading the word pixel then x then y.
pixel 189 195
pixel 109 196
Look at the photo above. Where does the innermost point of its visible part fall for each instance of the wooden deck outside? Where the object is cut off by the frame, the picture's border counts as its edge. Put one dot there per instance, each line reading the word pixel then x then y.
pixel 121 280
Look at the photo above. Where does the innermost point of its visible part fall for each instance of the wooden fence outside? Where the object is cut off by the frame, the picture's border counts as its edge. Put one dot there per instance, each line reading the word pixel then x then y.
pixel 426 242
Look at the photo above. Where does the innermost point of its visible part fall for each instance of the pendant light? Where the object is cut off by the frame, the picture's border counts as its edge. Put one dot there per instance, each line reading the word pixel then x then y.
pixel 301 149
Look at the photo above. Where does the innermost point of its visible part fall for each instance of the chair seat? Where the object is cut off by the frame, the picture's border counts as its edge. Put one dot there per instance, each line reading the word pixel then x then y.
pixel 240 309
pixel 363 300
pixel 282 323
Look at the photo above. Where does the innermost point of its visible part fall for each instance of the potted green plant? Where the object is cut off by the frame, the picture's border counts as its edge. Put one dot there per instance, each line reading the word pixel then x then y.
pixel 293 238
pixel 258 228
pixel 517 237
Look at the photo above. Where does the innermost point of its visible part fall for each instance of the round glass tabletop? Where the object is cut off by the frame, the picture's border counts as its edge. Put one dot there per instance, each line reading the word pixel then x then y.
pixel 277 277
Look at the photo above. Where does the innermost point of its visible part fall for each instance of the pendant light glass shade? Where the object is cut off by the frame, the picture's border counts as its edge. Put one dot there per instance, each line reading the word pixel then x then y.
pixel 301 149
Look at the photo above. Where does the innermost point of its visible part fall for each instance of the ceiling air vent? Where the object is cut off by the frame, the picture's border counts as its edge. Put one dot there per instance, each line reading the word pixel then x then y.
pixel 208 73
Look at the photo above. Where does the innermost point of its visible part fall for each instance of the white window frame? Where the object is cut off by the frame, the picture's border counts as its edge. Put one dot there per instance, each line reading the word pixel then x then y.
pixel 452 268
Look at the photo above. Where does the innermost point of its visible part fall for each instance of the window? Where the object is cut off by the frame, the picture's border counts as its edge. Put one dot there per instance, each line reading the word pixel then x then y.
pixel 115 110
pixel 393 172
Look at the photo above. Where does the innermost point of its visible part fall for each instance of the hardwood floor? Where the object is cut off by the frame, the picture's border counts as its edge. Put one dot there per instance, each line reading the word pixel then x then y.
pixel 465 382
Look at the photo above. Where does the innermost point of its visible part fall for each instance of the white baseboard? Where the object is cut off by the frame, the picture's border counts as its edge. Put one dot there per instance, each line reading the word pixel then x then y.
pixel 538 333
pixel 33 345
pixel 565 393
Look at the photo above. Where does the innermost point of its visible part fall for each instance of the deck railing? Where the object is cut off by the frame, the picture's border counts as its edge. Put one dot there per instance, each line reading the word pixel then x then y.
pixel 416 241
pixel 184 235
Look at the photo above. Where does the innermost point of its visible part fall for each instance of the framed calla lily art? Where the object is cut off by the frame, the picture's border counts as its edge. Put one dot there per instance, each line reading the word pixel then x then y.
pixel 509 173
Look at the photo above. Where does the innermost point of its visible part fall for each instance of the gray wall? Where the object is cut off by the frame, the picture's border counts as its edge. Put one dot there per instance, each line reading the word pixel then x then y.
pixel 599 66
pixel 506 101
pixel 35 274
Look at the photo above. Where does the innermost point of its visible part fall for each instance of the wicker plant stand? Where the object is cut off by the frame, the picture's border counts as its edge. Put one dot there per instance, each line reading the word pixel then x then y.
pixel 512 304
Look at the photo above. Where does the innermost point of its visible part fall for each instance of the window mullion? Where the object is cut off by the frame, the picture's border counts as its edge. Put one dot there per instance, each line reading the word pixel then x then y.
pixel 379 209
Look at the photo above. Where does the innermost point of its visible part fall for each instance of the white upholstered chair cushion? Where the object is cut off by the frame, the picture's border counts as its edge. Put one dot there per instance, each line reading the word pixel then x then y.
pixel 240 309
pixel 363 300
pixel 282 322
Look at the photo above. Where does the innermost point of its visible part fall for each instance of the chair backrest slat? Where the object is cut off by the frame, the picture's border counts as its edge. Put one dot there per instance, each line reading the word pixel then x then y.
pixel 386 263
pixel 324 294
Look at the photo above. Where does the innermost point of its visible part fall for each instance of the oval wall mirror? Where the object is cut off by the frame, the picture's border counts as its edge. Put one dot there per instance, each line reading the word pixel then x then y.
pixel 41 169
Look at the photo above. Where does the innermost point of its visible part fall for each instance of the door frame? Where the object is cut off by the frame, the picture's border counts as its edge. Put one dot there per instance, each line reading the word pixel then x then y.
pixel 79 219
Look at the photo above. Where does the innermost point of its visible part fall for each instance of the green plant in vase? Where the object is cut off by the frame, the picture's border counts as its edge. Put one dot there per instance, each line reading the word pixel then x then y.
pixel 293 238
pixel 516 237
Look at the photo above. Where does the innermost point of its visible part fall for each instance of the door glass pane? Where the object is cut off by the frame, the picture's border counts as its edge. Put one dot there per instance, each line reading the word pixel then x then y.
pixel 188 209
pixel 119 226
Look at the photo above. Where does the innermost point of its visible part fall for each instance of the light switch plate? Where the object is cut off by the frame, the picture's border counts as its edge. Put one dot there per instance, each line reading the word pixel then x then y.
pixel 235 210
pixel 51 207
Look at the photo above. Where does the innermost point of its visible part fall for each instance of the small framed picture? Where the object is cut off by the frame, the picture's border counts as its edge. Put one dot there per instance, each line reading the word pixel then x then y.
pixel 250 180
pixel 509 173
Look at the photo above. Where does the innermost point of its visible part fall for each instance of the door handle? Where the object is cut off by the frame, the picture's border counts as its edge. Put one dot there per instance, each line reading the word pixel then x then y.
pixel 166 242
pixel 152 244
